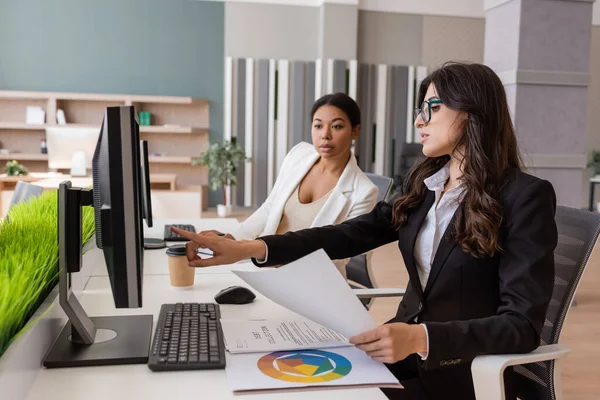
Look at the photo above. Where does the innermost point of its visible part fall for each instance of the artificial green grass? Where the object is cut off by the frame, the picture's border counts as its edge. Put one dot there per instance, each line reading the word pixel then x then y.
pixel 29 260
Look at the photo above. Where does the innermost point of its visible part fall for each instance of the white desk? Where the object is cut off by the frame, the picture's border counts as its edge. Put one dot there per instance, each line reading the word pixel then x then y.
pixel 138 382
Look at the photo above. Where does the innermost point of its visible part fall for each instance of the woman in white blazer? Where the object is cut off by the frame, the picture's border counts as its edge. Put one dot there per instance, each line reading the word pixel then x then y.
pixel 320 183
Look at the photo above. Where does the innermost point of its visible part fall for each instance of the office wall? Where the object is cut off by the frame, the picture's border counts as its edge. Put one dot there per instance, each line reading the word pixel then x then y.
pixel 389 38
pixel 593 116
pixel 339 30
pixel 271 31
pixel 152 47
pixel 451 38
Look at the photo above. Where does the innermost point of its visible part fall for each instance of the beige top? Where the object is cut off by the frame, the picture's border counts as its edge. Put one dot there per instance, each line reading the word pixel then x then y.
pixel 297 216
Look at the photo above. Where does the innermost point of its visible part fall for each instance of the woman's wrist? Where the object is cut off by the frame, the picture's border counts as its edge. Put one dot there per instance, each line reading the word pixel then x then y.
pixel 255 249
pixel 419 337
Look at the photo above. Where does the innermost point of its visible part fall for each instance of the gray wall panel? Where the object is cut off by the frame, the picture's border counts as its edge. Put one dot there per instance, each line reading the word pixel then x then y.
pixel 555 35
pixel 502 37
pixel 309 99
pixel 297 112
pixel 261 140
pixel 367 86
pixel 593 116
pixel 399 111
pixel 560 128
pixel 239 122
pixel 339 76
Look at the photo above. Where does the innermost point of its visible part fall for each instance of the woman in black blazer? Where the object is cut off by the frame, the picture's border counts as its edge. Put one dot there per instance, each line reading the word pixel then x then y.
pixel 476 233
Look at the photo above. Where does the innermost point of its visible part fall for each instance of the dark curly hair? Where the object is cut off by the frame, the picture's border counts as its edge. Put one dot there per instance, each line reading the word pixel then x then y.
pixel 487 146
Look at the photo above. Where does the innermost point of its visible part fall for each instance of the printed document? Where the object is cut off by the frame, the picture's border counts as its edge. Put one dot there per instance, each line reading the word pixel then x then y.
pixel 344 366
pixel 313 287
pixel 272 335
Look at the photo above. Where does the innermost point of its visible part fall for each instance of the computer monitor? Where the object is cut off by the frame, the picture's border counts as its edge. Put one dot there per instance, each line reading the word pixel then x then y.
pixel 119 199
pixel 64 142
pixel 145 173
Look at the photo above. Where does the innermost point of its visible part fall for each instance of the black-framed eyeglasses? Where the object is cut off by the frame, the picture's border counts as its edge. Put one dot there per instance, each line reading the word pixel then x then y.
pixel 425 110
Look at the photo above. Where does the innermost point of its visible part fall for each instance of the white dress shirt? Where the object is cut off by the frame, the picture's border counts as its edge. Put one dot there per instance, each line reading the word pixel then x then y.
pixel 436 222
pixel 434 226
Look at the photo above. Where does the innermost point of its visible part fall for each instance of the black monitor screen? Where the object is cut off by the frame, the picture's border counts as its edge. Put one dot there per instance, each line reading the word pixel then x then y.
pixel 118 194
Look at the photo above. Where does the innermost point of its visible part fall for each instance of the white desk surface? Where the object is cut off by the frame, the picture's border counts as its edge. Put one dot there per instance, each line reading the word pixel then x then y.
pixel 156 262
pixel 138 382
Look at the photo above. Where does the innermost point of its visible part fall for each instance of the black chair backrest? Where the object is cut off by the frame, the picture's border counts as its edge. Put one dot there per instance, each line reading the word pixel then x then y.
pixel 383 183
pixel 357 269
pixel 408 155
pixel 577 234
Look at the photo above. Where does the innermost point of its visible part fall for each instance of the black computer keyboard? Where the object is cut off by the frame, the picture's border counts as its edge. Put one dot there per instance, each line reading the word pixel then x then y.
pixel 171 236
pixel 188 336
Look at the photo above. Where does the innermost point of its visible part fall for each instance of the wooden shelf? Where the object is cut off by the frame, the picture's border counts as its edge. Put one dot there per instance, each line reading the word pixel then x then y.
pixel 24 157
pixel 172 129
pixel 143 129
pixel 24 95
pixel 122 98
pixel 153 128
pixel 170 160
pixel 180 127
pixel 44 157
pixel 22 126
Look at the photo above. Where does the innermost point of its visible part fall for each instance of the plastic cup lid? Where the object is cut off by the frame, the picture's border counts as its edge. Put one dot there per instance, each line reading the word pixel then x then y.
pixel 177 250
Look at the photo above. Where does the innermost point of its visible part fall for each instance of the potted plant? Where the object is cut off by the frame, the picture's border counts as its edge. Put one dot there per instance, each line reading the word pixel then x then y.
pixel 595 162
pixel 14 168
pixel 222 161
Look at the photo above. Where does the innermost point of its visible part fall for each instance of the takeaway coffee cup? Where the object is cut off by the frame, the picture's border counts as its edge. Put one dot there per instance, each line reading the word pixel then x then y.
pixel 181 274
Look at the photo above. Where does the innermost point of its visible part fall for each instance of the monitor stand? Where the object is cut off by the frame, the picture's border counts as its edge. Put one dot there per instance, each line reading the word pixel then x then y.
pixel 86 341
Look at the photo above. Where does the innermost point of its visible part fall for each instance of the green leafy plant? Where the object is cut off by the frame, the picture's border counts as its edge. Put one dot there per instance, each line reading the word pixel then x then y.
pixel 29 260
pixel 14 168
pixel 222 161
pixel 595 162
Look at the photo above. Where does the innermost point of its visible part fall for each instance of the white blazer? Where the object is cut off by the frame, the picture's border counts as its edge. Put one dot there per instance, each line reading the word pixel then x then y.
pixel 353 195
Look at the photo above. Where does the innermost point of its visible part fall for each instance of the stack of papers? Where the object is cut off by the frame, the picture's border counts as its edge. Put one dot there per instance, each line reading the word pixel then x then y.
pixel 310 352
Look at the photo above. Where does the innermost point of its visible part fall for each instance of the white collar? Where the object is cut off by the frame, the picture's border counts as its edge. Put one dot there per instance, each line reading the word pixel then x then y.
pixel 437 181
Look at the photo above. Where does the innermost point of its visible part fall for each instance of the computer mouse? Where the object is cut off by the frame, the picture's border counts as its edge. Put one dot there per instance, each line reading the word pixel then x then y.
pixel 235 295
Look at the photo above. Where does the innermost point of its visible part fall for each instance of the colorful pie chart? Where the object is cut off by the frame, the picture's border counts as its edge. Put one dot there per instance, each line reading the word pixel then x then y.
pixel 304 366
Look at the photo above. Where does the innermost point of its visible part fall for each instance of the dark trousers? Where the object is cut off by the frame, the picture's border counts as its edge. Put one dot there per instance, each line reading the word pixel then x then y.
pixel 407 373
pixel 447 387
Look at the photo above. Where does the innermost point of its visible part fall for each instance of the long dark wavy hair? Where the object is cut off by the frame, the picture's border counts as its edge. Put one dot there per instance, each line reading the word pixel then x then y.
pixel 487 146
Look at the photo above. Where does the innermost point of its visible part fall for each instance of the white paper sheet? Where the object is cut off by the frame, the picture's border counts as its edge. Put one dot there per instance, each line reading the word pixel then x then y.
pixel 313 287
pixel 259 336
pixel 344 366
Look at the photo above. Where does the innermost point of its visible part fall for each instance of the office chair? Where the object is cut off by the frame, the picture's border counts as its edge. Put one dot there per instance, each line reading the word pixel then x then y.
pixel 538 374
pixel 358 269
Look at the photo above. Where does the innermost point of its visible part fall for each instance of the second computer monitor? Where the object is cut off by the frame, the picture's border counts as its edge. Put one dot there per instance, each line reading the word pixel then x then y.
pixel 65 142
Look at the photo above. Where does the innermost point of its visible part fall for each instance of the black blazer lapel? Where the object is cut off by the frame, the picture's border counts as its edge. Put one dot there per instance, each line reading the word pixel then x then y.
pixel 407 237
pixel 442 253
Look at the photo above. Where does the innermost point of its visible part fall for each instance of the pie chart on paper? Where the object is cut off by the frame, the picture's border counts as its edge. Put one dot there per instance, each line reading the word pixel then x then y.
pixel 304 366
